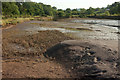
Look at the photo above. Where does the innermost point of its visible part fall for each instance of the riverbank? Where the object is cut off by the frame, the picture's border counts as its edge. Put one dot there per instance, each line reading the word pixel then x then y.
pixel 26 44
pixel 25 52
pixel 7 23
pixel 11 22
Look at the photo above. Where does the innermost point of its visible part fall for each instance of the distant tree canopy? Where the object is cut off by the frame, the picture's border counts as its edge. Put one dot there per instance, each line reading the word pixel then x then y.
pixel 27 8
pixel 114 8
pixel 11 9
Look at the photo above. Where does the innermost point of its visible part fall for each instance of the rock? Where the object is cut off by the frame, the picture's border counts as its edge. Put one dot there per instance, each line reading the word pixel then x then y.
pixel 109 50
pixel 88 54
pixel 98 59
pixel 69 70
pixel 95 60
pixel 91 52
pixel 87 48
pixel 37 60
pixel 72 67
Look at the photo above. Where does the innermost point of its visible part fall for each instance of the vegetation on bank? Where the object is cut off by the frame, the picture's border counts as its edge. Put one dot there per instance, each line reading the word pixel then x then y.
pixel 14 21
pixel 21 10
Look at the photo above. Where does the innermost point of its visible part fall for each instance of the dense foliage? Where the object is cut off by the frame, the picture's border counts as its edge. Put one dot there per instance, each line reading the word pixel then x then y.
pixel 15 9
pixel 26 9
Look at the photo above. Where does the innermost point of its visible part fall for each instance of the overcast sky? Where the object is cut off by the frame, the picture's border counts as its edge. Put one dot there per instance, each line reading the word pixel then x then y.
pixel 63 4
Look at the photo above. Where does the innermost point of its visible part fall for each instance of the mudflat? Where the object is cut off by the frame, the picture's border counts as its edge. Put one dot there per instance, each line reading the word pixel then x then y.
pixel 59 49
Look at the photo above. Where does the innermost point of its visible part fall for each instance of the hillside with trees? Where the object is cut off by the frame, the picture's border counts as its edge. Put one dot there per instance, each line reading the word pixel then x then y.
pixel 26 9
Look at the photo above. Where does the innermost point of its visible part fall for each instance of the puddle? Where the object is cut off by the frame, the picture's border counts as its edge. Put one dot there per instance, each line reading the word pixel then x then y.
pixel 101 22
pixel 85 31
pixel 46 28
pixel 98 32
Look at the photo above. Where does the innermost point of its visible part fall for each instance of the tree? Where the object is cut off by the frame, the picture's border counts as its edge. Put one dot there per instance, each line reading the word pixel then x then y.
pixel 114 8
pixel 74 12
pixel 90 11
pixel 48 10
pixel 68 13
pixel 61 14
pixel 82 13
pixel 107 13
pixel 10 9
pixel 38 9
pixel 13 9
pixel 54 8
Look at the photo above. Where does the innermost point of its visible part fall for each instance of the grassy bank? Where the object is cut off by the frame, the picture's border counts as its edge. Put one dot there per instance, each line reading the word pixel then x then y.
pixel 14 21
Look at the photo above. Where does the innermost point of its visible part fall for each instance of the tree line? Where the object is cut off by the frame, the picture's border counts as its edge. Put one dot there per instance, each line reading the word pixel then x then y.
pixel 27 9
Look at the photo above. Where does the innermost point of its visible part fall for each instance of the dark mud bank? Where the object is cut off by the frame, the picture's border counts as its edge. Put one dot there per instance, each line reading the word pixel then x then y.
pixel 85 60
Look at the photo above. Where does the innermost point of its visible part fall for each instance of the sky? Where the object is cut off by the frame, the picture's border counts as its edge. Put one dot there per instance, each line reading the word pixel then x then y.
pixel 63 4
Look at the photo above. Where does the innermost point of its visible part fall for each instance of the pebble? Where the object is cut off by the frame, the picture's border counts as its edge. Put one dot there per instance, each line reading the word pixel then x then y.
pixel 95 59
pixel 37 60
pixel 72 68
pixel 98 59
pixel 115 51
pixel 88 54
pixel 92 52
pixel 69 70
pixel 115 65
pixel 109 50
pixel 87 48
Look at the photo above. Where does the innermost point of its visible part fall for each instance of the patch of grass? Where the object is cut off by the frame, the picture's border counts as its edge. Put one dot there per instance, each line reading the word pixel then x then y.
pixel 13 21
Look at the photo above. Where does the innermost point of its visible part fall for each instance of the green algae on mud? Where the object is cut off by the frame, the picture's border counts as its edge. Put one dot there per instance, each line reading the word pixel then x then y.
pixel 79 29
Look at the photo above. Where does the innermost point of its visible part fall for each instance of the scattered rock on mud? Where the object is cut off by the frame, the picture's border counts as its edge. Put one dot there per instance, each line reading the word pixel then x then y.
pixel 85 59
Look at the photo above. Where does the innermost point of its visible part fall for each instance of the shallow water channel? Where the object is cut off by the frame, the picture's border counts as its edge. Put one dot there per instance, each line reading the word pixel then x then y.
pixel 79 29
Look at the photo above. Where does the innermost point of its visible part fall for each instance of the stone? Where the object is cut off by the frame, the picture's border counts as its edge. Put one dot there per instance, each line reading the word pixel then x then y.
pixel 95 60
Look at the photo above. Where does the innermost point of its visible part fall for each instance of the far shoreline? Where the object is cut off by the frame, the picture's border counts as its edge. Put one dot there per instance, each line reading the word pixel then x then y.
pixel 7 26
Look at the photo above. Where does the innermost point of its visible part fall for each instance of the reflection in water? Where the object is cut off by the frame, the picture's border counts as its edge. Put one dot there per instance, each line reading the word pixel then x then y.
pixel 101 22
pixel 47 28
pixel 96 31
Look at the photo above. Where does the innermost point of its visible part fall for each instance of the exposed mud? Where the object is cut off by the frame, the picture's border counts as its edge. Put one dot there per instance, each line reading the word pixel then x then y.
pixel 85 59
pixel 30 45
pixel 24 55
pixel 25 44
